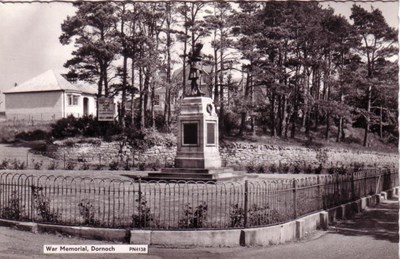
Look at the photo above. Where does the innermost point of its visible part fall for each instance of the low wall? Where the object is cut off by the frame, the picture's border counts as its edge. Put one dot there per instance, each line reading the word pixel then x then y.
pixel 233 154
pixel 264 236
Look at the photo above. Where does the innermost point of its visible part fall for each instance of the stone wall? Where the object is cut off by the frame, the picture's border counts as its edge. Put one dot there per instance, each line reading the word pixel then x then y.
pixel 242 153
pixel 235 154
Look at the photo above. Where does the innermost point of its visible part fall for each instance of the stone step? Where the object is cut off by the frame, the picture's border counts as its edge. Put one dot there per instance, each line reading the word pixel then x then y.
pixel 196 174
pixel 196 170
pixel 170 178
pixel 180 175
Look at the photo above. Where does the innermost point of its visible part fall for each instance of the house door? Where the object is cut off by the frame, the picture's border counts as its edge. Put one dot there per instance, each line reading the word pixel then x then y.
pixel 85 106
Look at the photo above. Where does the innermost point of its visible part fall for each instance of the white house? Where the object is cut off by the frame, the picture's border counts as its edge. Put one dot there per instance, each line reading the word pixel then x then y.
pixel 49 96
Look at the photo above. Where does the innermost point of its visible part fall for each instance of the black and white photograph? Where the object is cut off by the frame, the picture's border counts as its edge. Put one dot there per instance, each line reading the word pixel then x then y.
pixel 199 129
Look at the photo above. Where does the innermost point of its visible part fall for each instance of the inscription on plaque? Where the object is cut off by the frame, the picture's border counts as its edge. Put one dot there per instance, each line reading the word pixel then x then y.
pixel 190 133
pixel 211 133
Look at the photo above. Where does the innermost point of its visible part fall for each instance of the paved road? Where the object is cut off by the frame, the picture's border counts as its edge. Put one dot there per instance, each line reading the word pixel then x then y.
pixel 371 235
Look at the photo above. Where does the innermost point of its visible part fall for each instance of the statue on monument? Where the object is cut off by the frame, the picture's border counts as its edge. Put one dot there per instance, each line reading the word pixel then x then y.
pixel 194 74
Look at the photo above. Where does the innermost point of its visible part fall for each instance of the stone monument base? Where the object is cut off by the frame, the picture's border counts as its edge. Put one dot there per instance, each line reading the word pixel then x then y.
pixel 197 174
pixel 197 157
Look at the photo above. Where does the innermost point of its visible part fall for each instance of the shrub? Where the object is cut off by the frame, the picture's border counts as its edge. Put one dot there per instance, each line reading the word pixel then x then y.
pixel 18 165
pixel 236 216
pixel 85 166
pixel 98 167
pixel 284 168
pixel 87 211
pixel 53 165
pixel 308 169
pixel 37 165
pixel 86 126
pixel 127 165
pixel 4 164
pixel 65 127
pixel 42 205
pixel 337 170
pixel 273 169
pixel 142 166
pixel 70 165
pixel 263 216
pixel 261 169
pixel 144 217
pixel 231 122
pixel 318 170
pixel 196 218
pixel 155 165
pixel 296 169
pixel 32 135
pixel 114 165
pixel 251 168
pixel 14 209
pixel 358 167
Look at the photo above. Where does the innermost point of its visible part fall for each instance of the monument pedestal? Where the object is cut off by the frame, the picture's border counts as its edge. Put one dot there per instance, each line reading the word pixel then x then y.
pixel 197 145
pixel 197 156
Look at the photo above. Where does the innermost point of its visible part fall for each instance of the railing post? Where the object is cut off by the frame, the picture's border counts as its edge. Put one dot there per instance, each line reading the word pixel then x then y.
pixel 353 194
pixel 365 183
pixel 319 192
pixel 337 190
pixel 246 202
pixel 294 198
pixel 140 201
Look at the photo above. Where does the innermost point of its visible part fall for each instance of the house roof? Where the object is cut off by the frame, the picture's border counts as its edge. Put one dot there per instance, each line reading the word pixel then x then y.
pixel 49 81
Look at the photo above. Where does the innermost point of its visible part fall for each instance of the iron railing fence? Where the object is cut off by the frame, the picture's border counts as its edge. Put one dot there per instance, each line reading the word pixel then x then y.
pixel 116 203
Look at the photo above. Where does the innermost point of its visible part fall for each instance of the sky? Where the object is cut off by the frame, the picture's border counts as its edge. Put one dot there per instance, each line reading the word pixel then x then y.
pixel 29 42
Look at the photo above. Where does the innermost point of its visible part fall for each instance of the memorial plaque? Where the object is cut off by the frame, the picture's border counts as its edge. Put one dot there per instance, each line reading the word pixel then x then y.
pixel 211 133
pixel 190 134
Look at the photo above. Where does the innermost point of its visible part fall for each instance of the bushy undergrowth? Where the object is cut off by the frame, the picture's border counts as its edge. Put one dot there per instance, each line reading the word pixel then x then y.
pixel 194 217
pixel 37 134
pixel 9 131
pixel 14 209
pixel 42 206
pixel 86 126
pixel 257 216
pixel 87 211
pixel 143 216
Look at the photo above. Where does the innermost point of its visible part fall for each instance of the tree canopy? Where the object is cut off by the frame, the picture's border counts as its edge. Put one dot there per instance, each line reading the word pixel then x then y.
pixel 279 68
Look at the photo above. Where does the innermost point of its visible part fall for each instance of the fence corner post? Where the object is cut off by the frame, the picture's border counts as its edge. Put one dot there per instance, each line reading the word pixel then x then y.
pixel 319 193
pixel 246 202
pixel 294 198
pixel 140 200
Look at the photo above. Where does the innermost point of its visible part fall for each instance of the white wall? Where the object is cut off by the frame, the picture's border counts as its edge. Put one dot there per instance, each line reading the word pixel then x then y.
pixel 77 110
pixel 34 106
pixel 45 106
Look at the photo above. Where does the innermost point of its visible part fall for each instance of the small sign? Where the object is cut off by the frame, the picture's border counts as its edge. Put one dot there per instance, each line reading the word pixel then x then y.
pixel 106 109
pixel 95 249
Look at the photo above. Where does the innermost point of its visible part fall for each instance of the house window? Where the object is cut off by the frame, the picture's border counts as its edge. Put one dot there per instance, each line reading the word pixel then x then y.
pixel 73 100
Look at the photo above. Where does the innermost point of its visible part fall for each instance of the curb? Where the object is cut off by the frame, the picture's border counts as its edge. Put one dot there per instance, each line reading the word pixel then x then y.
pixel 262 236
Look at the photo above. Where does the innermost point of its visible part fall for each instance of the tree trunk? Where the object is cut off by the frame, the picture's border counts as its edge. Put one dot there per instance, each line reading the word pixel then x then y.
pixel 366 130
pixel 380 121
pixel 272 115
pixel 244 112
